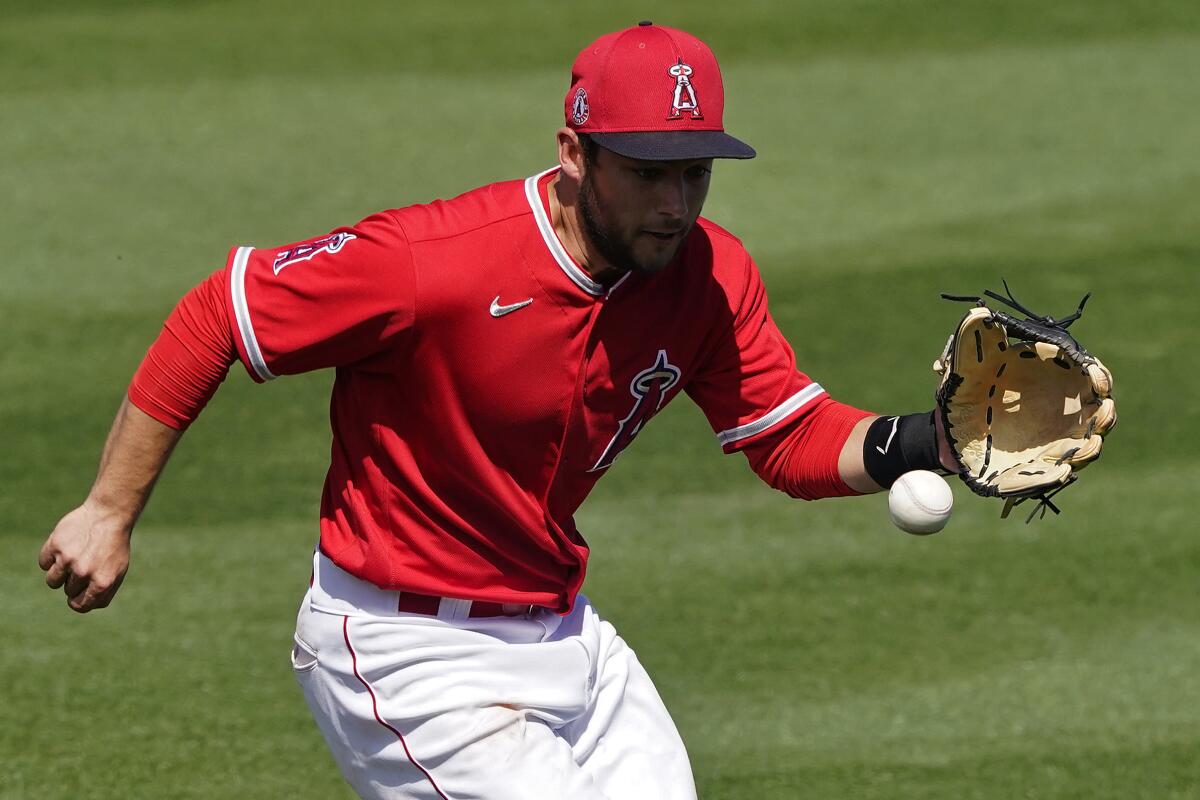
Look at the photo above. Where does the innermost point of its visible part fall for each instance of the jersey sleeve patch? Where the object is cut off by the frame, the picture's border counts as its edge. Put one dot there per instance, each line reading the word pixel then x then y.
pixel 306 250
pixel 330 301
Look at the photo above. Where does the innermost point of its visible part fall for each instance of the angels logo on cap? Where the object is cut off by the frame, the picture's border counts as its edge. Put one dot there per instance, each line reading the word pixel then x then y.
pixel 579 111
pixel 685 94
pixel 618 96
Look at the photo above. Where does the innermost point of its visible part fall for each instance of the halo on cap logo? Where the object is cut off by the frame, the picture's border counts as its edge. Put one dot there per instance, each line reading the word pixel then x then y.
pixel 580 108
pixel 684 100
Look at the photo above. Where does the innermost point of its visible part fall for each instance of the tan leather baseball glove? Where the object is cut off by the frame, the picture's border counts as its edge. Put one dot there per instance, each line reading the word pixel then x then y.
pixel 1024 405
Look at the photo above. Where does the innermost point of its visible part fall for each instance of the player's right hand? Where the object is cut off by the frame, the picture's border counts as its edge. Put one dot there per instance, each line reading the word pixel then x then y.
pixel 87 555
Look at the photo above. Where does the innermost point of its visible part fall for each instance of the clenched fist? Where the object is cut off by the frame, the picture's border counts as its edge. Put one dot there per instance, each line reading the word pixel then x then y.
pixel 87 555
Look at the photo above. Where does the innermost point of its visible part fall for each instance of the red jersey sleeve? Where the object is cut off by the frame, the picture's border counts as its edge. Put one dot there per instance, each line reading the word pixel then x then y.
pixel 325 302
pixel 190 358
pixel 801 458
pixel 749 385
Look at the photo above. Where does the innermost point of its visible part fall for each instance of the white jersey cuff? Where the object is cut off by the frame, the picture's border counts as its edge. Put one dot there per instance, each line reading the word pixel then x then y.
pixel 787 408
pixel 241 310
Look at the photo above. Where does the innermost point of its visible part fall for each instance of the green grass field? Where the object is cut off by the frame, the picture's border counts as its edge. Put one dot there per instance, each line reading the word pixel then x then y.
pixel 807 650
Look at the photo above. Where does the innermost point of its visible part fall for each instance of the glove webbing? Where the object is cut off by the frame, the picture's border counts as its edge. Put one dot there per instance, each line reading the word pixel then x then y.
pixel 1012 303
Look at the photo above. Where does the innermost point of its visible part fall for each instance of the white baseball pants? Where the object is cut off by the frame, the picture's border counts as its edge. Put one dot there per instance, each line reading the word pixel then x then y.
pixel 538 707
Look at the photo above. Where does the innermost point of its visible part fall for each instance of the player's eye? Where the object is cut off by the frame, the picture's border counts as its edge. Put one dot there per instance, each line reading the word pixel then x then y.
pixel 648 173
pixel 698 172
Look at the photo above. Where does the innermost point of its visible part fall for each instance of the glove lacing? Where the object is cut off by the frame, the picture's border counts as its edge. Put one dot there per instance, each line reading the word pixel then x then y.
pixel 1011 302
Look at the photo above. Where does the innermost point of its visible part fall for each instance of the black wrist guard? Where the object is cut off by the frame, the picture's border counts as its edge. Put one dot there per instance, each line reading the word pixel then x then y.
pixel 896 445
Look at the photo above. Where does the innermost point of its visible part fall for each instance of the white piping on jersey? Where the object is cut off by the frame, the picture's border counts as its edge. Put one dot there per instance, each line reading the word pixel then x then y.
pixel 241 310
pixel 565 262
pixel 774 416
pixel 620 280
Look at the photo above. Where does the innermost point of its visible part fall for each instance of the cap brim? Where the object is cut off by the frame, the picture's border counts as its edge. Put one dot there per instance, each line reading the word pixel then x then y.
pixel 674 145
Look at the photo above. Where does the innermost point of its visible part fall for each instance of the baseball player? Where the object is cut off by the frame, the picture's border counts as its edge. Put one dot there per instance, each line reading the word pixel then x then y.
pixel 495 354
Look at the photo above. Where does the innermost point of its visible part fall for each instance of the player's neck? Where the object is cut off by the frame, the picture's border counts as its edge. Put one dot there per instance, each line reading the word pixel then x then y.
pixel 568 226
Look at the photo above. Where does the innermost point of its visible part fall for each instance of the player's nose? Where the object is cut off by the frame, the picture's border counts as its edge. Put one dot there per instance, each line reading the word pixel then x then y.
pixel 673 200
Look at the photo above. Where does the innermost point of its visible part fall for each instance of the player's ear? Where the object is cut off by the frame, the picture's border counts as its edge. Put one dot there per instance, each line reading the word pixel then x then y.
pixel 570 154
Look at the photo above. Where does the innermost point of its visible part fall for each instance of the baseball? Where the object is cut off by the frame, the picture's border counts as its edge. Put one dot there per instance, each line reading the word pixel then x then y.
pixel 920 502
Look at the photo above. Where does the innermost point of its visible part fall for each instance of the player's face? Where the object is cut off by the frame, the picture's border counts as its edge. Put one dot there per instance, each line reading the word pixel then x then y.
pixel 638 213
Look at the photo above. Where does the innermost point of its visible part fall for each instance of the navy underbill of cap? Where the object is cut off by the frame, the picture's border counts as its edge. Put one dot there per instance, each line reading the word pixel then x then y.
pixel 674 145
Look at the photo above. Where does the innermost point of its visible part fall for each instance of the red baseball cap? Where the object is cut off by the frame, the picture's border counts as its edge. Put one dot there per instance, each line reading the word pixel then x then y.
pixel 651 93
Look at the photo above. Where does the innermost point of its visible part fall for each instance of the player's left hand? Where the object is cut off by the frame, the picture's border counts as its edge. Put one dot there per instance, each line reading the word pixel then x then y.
pixel 1025 406
pixel 87 555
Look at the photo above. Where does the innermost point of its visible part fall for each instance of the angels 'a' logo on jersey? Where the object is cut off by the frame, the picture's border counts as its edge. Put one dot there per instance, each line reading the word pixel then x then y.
pixel 684 99
pixel 306 250
pixel 649 387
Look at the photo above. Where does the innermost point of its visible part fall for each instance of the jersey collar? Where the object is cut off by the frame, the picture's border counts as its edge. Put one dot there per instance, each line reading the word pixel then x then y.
pixel 541 215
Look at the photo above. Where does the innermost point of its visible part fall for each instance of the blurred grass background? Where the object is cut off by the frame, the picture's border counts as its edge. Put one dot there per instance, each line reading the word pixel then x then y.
pixel 806 650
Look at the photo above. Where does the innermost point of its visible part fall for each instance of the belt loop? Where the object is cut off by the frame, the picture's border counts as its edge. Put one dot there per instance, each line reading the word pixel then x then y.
pixel 453 610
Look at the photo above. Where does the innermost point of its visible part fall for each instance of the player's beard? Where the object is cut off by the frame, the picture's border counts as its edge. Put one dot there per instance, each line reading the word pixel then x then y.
pixel 607 238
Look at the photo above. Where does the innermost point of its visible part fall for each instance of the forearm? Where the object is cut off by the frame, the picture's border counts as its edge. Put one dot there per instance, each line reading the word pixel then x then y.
pixel 826 453
pixel 851 466
pixel 176 379
pixel 87 554
pixel 898 444
pixel 134 455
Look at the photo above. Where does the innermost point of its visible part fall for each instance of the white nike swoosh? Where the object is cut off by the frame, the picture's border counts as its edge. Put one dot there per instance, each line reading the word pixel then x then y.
pixel 498 310
pixel 888 444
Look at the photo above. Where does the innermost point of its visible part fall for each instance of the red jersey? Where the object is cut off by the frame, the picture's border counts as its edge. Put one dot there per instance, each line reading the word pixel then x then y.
pixel 485 382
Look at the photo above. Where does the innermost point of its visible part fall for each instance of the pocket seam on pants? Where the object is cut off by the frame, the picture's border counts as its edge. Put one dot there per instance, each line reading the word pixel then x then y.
pixel 305 647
